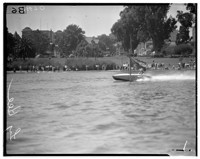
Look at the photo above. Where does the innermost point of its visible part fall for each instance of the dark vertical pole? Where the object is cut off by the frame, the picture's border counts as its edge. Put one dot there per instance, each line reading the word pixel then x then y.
pixel 130 52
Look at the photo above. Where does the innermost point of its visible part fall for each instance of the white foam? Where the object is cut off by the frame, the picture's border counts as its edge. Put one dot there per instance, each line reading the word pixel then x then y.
pixel 170 77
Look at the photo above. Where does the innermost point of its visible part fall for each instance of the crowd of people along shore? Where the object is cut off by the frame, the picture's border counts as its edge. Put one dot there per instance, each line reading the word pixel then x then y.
pixel 153 66
pixel 58 68
pixel 181 65
pixel 162 66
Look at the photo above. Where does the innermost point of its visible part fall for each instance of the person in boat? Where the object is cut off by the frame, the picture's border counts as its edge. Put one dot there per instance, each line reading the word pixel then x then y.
pixel 141 71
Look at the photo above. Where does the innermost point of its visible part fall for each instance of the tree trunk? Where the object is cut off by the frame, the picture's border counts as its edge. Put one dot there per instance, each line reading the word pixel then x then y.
pixel 155 45
pixel 131 49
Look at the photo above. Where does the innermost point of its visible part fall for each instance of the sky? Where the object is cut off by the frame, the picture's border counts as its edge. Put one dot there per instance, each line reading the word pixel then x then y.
pixel 94 20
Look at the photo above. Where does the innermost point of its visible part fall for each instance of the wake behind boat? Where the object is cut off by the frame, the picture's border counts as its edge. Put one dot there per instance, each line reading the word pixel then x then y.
pixel 130 77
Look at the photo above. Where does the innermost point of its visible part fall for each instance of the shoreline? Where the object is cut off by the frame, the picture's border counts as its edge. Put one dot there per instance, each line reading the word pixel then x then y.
pixel 117 70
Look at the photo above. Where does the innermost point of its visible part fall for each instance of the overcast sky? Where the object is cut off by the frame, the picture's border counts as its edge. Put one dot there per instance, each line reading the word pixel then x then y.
pixel 94 20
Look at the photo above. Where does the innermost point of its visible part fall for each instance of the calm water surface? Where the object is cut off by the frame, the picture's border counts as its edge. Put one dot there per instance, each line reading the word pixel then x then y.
pixel 89 112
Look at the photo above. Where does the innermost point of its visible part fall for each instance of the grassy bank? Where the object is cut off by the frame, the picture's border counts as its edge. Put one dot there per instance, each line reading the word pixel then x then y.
pixel 71 63
pixel 105 63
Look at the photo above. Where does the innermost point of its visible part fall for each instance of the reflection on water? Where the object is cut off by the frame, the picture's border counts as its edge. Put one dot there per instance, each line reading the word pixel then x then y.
pixel 89 112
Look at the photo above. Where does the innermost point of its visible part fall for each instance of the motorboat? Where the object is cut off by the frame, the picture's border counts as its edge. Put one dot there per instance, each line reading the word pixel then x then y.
pixel 133 76
pixel 130 77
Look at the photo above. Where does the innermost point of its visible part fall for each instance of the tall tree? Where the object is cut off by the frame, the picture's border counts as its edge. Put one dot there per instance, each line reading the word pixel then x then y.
pixel 142 22
pixel 158 25
pixel 131 26
pixel 192 7
pixel 10 44
pixel 17 44
pixel 59 40
pixel 26 49
pixel 119 31
pixel 126 29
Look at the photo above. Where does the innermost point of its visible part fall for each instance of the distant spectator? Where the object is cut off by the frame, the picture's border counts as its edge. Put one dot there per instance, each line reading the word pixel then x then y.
pixel 14 70
pixel 97 66
pixel 187 65
pixel 65 68
pixel 42 68
pixel 20 68
pixel 156 66
pixel 27 68
pixel 179 64
pixel 36 68
pixel 182 64
pixel 33 68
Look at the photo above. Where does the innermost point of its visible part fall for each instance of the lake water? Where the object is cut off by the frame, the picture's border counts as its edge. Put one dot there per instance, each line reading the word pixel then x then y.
pixel 90 113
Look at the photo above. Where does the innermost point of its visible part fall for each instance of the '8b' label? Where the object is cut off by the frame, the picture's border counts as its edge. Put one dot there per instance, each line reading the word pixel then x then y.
pixel 16 10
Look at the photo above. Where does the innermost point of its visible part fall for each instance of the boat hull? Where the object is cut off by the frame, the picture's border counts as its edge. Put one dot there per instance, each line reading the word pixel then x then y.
pixel 127 77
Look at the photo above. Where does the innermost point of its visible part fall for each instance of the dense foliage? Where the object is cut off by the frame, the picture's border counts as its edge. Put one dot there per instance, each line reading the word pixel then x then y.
pixel 183 49
pixel 143 22
pixel 71 37
pixel 185 19
pixel 18 47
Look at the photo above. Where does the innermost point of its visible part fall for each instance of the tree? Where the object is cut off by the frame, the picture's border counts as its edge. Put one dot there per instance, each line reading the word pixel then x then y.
pixel 72 36
pixel 39 39
pixel 143 22
pixel 80 49
pixel 192 7
pixel 10 44
pixel 17 37
pixel 102 46
pixel 185 19
pixel 183 36
pixel 40 42
pixel 106 42
pixel 17 44
pixel 126 29
pixel 89 50
pixel 26 49
pixel 132 27
pixel 183 49
pixel 95 49
pixel 59 40
pixel 158 25
pixel 119 31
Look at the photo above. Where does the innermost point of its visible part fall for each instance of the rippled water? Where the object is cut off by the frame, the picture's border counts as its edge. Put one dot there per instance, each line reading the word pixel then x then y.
pixel 89 112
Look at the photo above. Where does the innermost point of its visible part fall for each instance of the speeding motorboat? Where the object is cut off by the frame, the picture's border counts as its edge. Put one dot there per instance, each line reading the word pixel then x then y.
pixel 130 77
pixel 134 74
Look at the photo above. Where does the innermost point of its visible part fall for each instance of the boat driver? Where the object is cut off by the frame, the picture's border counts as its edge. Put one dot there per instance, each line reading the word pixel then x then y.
pixel 141 71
